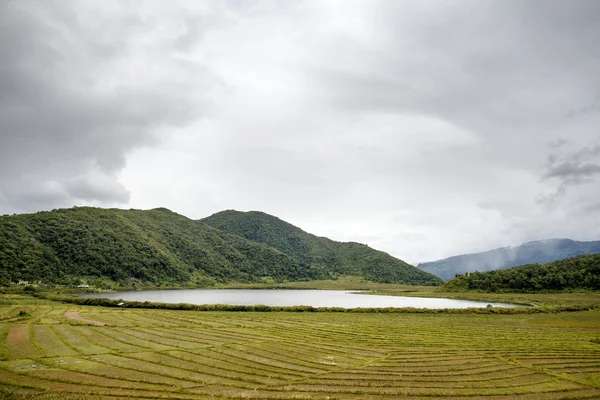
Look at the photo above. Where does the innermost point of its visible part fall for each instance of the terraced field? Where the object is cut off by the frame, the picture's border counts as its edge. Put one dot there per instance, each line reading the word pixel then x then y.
pixel 62 351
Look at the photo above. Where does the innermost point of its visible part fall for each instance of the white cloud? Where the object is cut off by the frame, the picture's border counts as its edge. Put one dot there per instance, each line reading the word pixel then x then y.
pixel 421 128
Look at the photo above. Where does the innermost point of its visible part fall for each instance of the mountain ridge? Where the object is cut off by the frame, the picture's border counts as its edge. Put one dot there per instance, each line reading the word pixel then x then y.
pixel 343 258
pixel 146 247
pixel 573 273
pixel 153 246
pixel 532 252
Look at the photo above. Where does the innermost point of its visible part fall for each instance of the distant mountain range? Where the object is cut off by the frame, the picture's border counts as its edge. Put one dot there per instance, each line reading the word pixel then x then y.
pixel 537 252
pixel 158 247
pixel 573 273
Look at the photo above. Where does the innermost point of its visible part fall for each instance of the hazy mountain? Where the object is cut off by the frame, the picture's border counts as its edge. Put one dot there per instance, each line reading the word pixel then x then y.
pixel 574 273
pixel 537 252
pixel 338 257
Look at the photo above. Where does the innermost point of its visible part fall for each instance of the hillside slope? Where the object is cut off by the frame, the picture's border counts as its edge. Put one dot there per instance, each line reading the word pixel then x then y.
pixel 581 272
pixel 321 253
pixel 537 252
pixel 154 246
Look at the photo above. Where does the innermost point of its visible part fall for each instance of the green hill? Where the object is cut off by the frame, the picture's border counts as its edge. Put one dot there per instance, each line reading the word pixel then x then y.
pixel 575 273
pixel 321 253
pixel 158 247
pixel 537 252
pixel 154 246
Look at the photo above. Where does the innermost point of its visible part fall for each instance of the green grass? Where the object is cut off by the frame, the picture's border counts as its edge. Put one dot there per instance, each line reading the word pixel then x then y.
pixel 155 353
pixel 538 299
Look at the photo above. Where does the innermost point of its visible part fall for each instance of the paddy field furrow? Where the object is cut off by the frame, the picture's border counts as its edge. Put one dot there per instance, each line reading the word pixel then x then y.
pixel 71 338
pixel 51 343
pixel 20 342
pixel 235 367
pixel 96 336
pixel 213 372
pixel 150 353
pixel 237 361
pixel 129 337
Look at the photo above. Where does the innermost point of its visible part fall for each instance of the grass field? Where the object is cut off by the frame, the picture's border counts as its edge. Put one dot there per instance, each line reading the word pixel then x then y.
pixel 55 351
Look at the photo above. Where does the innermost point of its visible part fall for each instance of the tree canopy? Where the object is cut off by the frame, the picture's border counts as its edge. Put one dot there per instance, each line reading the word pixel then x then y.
pixel 154 246
pixel 575 273
pixel 161 247
pixel 347 258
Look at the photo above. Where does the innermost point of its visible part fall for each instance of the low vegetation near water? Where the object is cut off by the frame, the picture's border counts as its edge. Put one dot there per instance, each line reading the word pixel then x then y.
pixel 51 350
pixel 129 248
pixel 534 303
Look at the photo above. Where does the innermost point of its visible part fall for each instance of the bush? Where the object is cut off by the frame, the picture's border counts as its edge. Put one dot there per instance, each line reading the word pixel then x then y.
pixel 29 289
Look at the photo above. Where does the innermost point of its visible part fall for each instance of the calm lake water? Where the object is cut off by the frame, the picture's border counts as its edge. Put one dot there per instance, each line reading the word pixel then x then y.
pixel 276 297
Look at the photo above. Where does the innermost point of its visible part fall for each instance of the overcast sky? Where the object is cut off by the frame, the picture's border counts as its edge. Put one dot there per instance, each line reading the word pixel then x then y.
pixel 422 128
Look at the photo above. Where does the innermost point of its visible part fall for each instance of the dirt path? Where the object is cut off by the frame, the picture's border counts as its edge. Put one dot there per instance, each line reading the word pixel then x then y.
pixel 75 315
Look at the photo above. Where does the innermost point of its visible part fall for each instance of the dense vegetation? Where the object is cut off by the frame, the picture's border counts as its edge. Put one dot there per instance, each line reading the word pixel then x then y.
pixel 159 247
pixel 538 252
pixel 321 253
pixel 130 246
pixel 582 272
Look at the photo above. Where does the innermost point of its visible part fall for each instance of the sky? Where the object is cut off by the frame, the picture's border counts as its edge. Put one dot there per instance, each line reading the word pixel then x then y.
pixel 423 128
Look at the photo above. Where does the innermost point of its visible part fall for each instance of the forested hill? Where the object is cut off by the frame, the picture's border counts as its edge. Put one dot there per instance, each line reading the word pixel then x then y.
pixel 319 252
pixel 154 247
pixel 537 252
pixel 158 247
pixel 581 272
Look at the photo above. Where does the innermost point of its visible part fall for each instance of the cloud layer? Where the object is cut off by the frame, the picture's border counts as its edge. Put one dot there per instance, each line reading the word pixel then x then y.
pixel 425 129
pixel 82 86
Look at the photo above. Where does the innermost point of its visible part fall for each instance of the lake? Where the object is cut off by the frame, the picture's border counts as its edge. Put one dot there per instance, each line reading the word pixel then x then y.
pixel 283 297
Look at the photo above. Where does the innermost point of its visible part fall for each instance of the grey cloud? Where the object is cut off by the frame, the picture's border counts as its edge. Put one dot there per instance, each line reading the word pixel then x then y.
pixel 591 108
pixel 590 208
pixel 78 91
pixel 425 127
pixel 97 188
pixel 195 26
pixel 498 67
pixel 42 196
pixel 558 142
pixel 504 70
pixel 574 168
pixel 570 169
